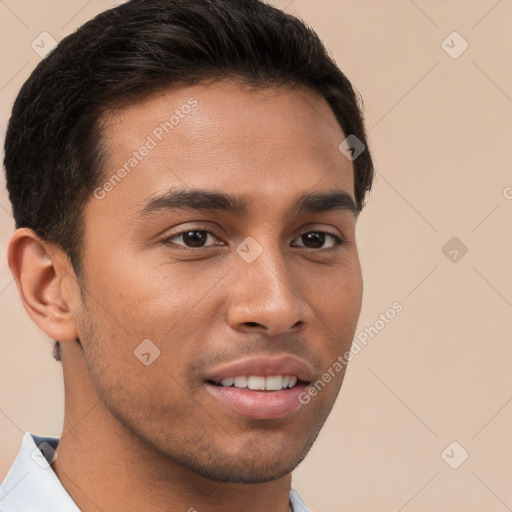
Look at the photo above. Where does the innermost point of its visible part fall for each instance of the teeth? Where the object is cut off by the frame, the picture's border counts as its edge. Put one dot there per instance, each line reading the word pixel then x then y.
pixel 259 383
pixel 256 383
pixel 240 382
pixel 274 383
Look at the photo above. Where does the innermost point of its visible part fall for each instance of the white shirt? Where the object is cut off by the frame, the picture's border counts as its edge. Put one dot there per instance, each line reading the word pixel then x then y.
pixel 32 486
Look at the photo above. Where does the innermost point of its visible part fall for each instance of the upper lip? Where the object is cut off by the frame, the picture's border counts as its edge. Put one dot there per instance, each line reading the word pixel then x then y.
pixel 264 366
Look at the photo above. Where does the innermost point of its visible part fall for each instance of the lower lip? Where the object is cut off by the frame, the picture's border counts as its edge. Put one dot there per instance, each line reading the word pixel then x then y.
pixel 261 405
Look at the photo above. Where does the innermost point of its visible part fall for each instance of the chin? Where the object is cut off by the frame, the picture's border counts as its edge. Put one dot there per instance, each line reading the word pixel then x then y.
pixel 238 474
pixel 251 465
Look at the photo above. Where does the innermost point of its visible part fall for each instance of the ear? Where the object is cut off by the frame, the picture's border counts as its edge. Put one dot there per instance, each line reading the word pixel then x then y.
pixel 46 283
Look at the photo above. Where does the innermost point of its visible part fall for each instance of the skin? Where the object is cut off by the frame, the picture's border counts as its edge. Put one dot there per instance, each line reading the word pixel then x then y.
pixel 148 438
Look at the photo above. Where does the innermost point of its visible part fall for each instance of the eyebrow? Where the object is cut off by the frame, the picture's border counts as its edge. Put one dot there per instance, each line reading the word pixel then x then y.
pixel 198 199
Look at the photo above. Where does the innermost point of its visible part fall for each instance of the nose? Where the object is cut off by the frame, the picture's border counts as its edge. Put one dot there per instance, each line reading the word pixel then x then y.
pixel 266 296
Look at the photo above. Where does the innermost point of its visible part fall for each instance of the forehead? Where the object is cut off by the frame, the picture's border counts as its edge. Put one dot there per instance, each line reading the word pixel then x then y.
pixel 264 144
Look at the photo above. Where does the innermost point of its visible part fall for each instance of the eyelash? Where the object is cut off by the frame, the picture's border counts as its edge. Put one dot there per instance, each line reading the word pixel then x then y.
pixel 339 241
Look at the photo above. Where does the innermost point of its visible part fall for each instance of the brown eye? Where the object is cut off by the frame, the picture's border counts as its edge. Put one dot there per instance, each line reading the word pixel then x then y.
pixel 316 240
pixel 192 238
pixel 195 238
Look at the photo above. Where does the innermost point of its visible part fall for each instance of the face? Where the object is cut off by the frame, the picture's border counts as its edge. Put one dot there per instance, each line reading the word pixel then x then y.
pixel 223 256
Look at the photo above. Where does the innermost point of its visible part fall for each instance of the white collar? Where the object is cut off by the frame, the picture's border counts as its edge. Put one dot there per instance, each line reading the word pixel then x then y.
pixel 31 485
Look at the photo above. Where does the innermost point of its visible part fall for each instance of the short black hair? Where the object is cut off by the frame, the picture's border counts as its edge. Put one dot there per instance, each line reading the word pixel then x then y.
pixel 54 157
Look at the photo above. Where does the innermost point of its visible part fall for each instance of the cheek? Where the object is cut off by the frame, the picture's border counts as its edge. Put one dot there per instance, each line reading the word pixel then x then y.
pixel 173 308
pixel 337 308
pixel 338 291
pixel 144 298
pixel 128 381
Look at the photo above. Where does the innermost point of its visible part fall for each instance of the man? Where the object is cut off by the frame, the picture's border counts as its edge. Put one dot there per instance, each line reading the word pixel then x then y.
pixel 185 177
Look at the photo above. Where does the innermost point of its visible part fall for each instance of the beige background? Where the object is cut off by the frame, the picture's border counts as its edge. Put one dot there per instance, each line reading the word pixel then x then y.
pixel 440 130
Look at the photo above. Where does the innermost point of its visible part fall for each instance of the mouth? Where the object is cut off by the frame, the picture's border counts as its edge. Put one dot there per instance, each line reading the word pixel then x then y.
pixel 260 388
pixel 259 382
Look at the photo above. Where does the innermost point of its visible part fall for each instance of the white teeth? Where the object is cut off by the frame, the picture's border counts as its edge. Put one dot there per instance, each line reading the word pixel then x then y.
pixel 256 383
pixel 259 383
pixel 240 382
pixel 274 383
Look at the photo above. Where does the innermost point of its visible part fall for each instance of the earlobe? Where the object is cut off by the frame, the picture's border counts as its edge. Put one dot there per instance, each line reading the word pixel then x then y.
pixel 41 272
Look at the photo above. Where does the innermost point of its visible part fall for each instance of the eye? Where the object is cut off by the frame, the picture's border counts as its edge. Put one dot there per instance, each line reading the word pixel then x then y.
pixel 316 239
pixel 199 238
pixel 193 238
